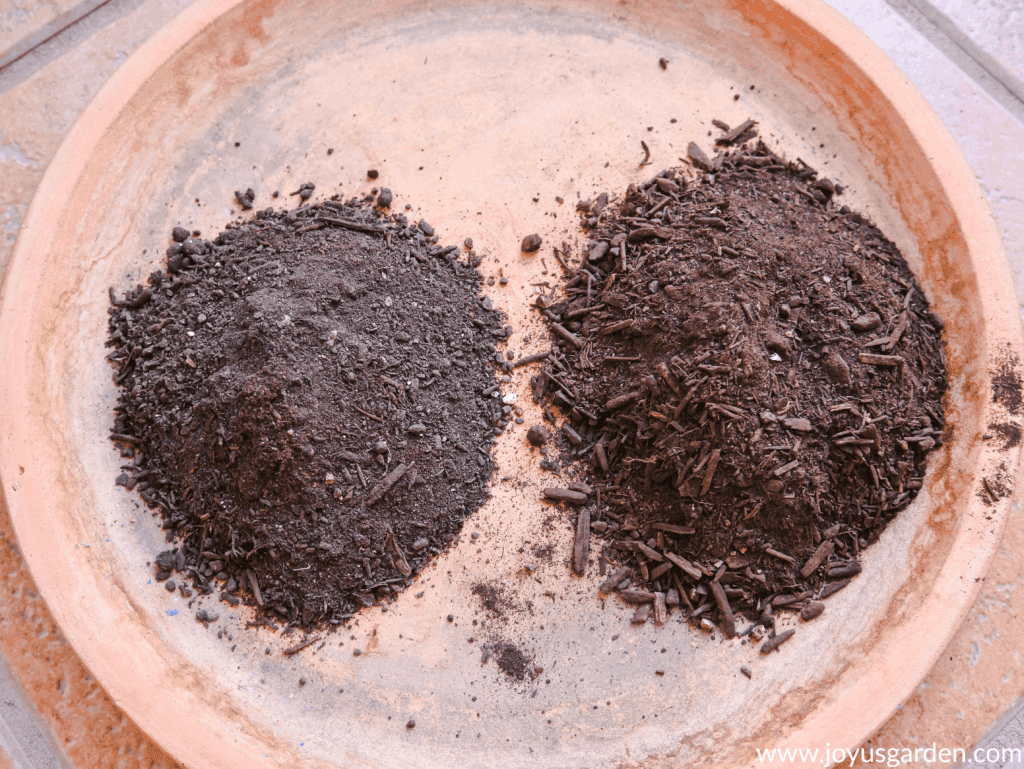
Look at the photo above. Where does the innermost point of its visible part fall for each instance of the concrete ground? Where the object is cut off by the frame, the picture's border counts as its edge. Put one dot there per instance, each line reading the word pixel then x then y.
pixel 965 56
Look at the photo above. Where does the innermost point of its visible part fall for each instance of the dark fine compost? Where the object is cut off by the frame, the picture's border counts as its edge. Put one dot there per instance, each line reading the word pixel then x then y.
pixel 308 400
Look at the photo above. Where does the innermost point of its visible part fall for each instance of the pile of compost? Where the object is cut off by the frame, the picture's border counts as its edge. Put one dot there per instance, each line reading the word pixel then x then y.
pixel 308 400
pixel 749 381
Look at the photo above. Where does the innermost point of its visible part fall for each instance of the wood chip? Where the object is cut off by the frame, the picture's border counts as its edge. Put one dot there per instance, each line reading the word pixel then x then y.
pixel 350 225
pixel 811 610
pixel 612 582
pixel 571 435
pixel 385 485
pixel 647 233
pixel 647 552
pixel 526 360
pixel 660 610
pixel 671 528
pixel 697 156
pixel 773 644
pixel 391 545
pixel 565 495
pixel 299 646
pixel 780 471
pixel 581 547
pixel 685 565
pixel 712 466
pixel 636 596
pixel 796 424
pixel 623 400
pixel 728 619
pixel 844 570
pixel 901 326
pixel 832 588
pixel 734 134
pixel 881 360
pixel 613 328
pixel 642 613
pixel 566 334
pixel 657 571
pixel 818 557
pixel 780 556
pixel 255 585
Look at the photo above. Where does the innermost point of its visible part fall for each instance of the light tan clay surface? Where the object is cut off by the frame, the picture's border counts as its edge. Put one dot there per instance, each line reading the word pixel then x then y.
pixel 469 112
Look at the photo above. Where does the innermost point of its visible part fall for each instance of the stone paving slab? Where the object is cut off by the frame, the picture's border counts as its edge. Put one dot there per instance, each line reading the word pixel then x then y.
pixel 1003 746
pixel 23 742
pixel 20 19
pixel 995 26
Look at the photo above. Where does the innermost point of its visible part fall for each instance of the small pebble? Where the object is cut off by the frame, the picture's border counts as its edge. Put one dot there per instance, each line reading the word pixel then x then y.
pixel 410 724
pixel 532 243
pixel 867 322
pixel 373 173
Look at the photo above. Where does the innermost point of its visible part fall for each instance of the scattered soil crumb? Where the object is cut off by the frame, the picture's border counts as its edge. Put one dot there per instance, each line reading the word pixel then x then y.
pixel 1006 385
pixel 1008 432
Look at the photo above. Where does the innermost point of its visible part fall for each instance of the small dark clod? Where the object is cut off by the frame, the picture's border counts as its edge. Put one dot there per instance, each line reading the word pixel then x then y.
pixel 537 435
pixel 245 199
